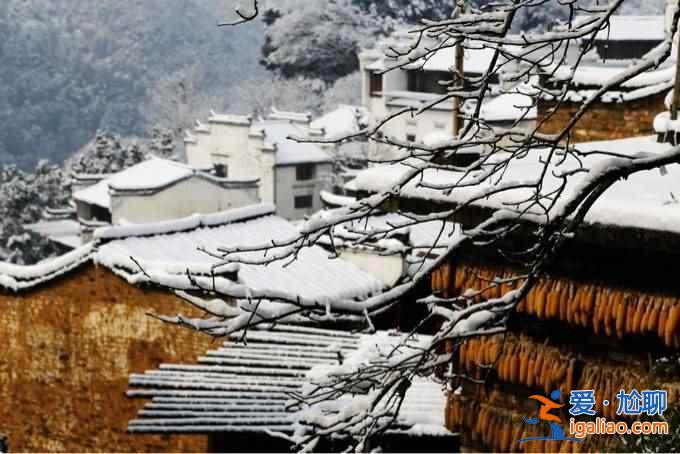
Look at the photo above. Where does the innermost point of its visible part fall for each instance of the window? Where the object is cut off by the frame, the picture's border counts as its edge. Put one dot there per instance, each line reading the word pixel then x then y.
pixel 305 172
pixel 376 83
pixel 221 170
pixel 304 201
pixel 411 137
pixel 428 81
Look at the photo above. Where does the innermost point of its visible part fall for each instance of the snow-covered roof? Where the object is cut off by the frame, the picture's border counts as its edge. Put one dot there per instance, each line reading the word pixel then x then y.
pixel 596 75
pixel 644 201
pixel 62 231
pixel 22 277
pixel 298 117
pixel 167 250
pixel 476 60
pixel 632 28
pixel 290 152
pixel 241 387
pixel 422 235
pixel 168 255
pixel 509 107
pixel 242 120
pixel 588 78
pixel 148 175
pixel 97 194
pixel 424 403
pixel 342 121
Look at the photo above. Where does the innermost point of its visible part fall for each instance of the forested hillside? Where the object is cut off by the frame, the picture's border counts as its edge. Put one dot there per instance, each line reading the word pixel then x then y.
pixel 70 68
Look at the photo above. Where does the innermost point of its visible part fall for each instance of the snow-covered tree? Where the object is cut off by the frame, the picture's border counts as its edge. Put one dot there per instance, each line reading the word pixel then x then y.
pixel 548 203
pixel 23 199
pixel 107 155
pixel 395 13
pixel 162 144
pixel 315 39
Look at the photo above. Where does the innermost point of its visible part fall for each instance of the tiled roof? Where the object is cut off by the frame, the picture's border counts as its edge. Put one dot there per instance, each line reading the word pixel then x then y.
pixel 247 387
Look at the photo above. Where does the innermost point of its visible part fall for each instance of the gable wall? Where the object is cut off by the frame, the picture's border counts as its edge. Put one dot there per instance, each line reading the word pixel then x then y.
pixel 68 349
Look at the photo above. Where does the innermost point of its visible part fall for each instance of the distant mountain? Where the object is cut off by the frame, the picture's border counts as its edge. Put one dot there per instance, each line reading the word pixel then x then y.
pixel 69 68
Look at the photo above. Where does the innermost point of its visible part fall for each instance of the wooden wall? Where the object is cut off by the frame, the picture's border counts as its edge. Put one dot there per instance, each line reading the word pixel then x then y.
pixel 605 121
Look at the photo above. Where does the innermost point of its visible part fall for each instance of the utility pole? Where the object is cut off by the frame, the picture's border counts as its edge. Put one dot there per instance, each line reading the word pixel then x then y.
pixel 458 76
pixel 676 88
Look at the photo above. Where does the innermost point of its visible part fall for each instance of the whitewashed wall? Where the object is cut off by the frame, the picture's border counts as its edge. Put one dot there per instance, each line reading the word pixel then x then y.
pixel 287 188
pixel 194 195
pixel 243 153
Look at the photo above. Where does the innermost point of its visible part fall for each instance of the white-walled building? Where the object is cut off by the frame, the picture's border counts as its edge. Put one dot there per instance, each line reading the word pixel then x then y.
pixel 387 91
pixel 291 174
pixel 158 190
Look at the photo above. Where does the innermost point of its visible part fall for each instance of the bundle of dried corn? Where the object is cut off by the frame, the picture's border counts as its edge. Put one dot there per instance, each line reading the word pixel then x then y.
pixel 485 422
pixel 609 311
pixel 441 282
pixel 607 380
pixel 519 360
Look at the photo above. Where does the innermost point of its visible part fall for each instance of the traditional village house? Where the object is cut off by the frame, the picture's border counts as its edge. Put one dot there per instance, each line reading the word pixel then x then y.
pixel 385 92
pixel 291 174
pixel 76 326
pixel 159 190
pixel 153 190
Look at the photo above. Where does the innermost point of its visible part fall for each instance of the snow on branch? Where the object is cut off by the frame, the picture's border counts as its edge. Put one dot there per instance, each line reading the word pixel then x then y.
pixel 528 183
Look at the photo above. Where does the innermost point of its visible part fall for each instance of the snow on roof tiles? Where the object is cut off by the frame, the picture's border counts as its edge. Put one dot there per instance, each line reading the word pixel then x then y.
pixel 643 201
pixel 342 121
pixel 244 120
pixel 168 256
pixel 633 28
pixel 476 60
pixel 63 231
pixel 97 194
pixel 148 175
pixel 21 277
pixel 289 152
pixel 151 174
pixel 246 388
pixel 298 117
pixel 167 249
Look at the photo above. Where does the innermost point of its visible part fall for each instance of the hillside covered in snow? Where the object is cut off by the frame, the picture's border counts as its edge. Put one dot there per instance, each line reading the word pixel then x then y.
pixel 70 69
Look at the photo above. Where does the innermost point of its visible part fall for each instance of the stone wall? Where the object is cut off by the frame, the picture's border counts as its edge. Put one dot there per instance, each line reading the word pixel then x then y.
pixel 68 348
pixel 605 121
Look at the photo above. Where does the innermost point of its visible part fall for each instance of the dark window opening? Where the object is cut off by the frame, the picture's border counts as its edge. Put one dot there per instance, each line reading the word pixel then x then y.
pixel 428 81
pixel 221 170
pixel 411 137
pixel 623 50
pixel 437 82
pixel 376 83
pixel 304 201
pixel 304 172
